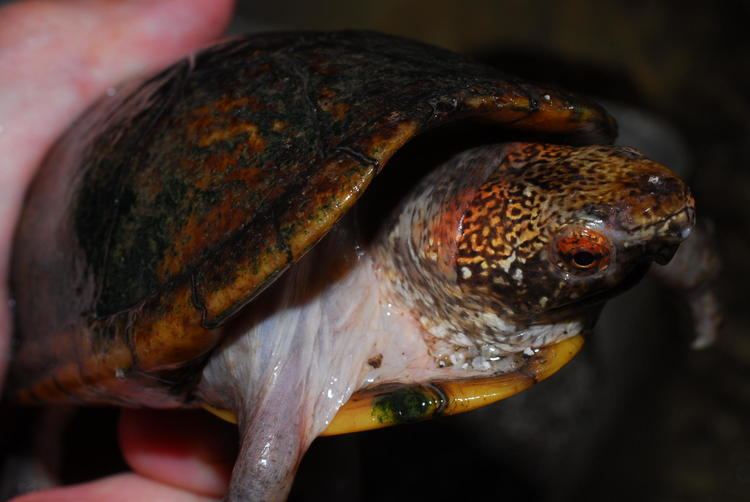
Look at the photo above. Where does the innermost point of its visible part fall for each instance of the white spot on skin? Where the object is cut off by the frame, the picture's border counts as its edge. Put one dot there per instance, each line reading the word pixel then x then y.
pixel 462 339
pixel 547 97
pixel 119 373
pixel 507 262
pixel 465 272
pixel 496 323
pixel 490 352
pixel 457 358
pixel 653 179
pixel 480 363
pixel 518 275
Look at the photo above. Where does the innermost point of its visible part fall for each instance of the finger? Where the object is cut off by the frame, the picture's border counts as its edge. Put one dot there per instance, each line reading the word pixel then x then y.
pixel 188 449
pixel 56 57
pixel 118 488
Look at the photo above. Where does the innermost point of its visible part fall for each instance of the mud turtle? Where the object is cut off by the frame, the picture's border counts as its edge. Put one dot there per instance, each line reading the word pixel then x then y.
pixel 161 216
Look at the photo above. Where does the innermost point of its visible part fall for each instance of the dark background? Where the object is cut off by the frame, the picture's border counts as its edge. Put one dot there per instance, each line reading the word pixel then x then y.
pixel 638 415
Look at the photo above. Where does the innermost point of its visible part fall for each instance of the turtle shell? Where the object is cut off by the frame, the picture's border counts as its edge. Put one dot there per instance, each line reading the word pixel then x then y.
pixel 174 201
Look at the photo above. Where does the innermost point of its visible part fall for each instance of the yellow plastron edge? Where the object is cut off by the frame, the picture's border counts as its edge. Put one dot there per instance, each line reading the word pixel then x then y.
pixel 388 405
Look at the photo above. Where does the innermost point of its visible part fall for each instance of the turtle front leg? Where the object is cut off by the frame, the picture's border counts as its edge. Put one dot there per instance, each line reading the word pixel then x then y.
pixel 285 386
pixel 692 273
pixel 273 439
pixel 284 390
pixel 289 364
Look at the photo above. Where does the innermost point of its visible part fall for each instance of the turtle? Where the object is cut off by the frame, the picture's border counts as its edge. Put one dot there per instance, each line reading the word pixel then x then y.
pixel 225 234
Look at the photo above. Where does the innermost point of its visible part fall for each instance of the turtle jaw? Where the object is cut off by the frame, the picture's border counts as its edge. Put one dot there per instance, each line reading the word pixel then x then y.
pixel 663 253
pixel 656 242
pixel 660 239
pixel 671 234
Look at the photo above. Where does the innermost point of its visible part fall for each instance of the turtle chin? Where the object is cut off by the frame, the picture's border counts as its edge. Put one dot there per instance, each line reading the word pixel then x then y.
pixel 663 253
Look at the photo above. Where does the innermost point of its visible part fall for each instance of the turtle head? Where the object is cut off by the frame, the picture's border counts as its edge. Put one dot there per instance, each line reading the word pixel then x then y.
pixel 554 228
pixel 518 245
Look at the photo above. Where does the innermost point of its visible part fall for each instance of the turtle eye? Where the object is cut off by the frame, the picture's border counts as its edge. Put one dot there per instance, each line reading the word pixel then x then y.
pixel 584 259
pixel 582 250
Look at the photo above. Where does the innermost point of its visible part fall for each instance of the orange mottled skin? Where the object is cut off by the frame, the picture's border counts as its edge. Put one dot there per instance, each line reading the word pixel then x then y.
pixel 506 243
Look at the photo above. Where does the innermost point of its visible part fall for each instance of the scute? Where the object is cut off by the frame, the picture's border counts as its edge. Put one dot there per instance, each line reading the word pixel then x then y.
pixel 167 207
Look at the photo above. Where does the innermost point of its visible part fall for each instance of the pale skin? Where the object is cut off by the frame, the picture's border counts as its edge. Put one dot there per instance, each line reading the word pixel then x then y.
pixel 56 57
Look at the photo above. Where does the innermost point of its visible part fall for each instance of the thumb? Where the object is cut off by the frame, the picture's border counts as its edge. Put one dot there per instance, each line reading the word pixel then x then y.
pixel 56 58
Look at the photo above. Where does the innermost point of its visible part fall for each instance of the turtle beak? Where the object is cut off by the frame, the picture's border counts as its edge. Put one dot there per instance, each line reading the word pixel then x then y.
pixel 671 233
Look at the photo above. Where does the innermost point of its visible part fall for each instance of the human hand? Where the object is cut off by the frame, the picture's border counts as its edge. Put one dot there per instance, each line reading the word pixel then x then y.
pixel 176 456
pixel 56 57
